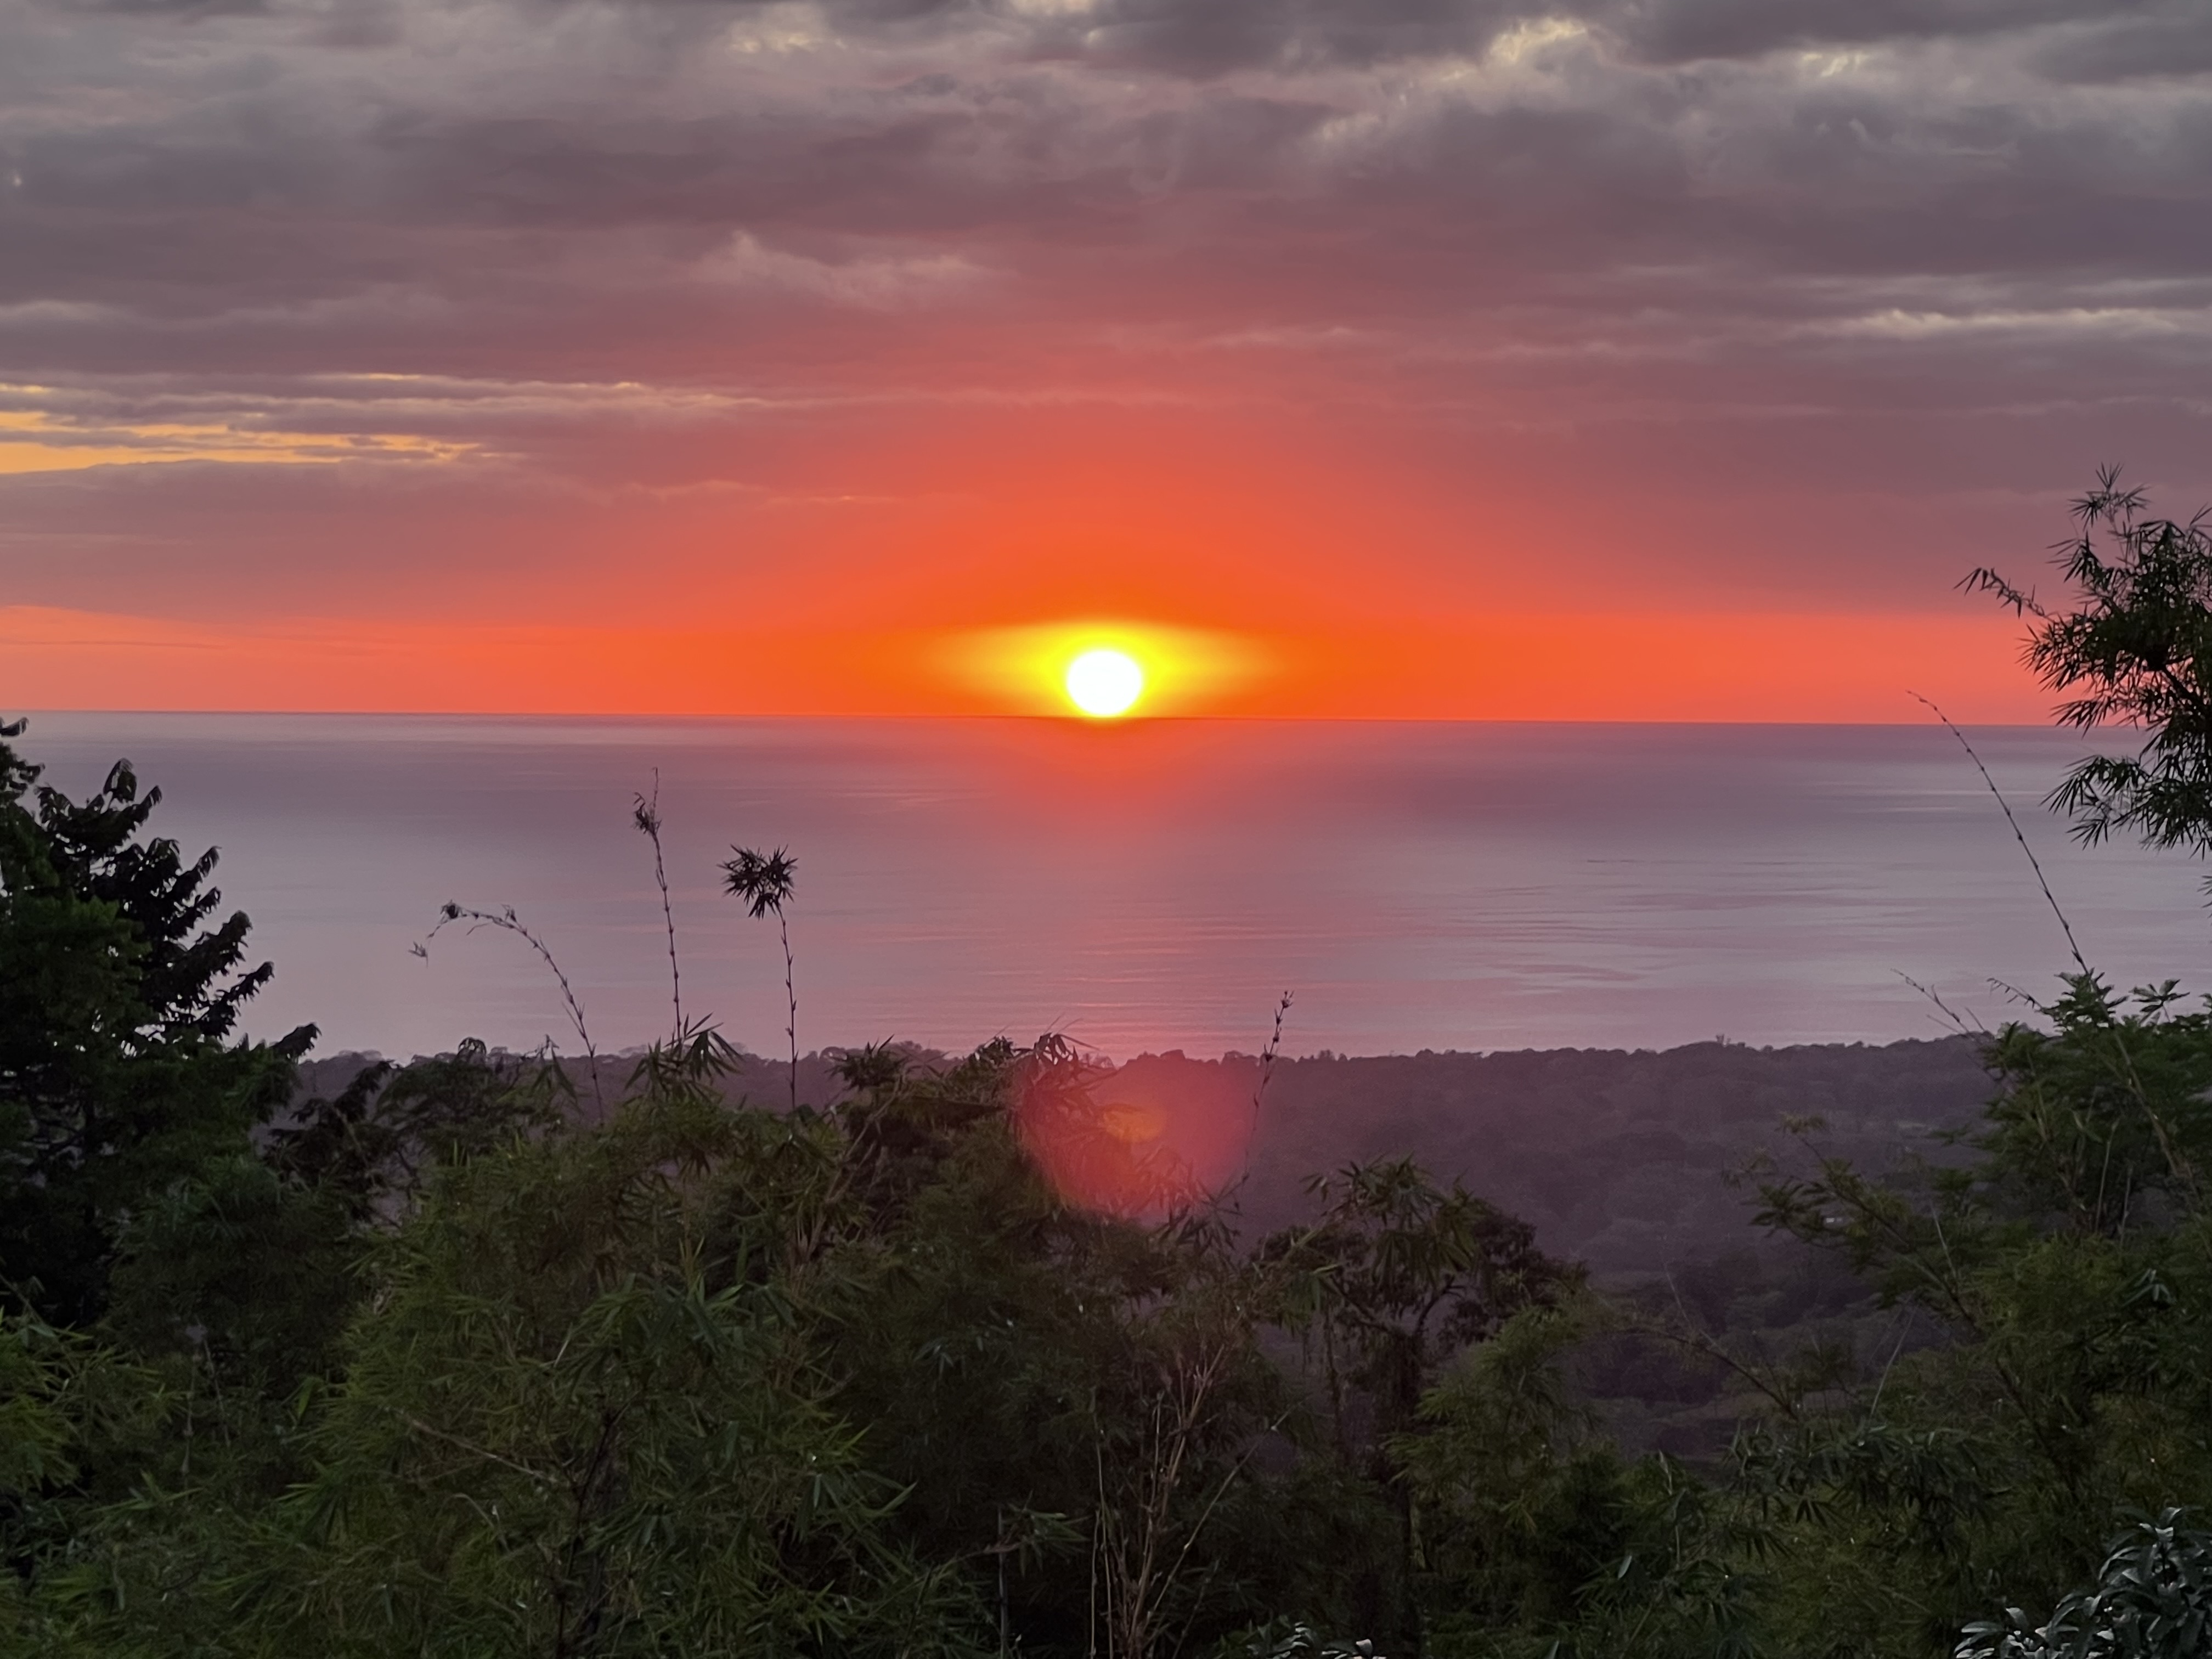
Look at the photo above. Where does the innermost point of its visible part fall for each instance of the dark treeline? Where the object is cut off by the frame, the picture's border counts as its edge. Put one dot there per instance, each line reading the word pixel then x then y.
pixel 1620 1158
pixel 449 1359
pixel 1626 1163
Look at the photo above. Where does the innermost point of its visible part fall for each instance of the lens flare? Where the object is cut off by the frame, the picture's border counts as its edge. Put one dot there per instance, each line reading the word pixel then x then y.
pixel 1139 1140
pixel 1104 683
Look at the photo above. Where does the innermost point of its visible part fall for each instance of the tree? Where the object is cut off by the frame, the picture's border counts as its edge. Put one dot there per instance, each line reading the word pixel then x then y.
pixel 2060 1274
pixel 248 1268
pixel 2135 646
pixel 1396 1277
pixel 37 1441
pixel 1054 1380
pixel 118 994
pixel 2152 1601
pixel 587 1414
pixel 374 1145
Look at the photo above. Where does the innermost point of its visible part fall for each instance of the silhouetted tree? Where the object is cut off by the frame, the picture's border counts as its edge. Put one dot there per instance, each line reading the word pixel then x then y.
pixel 2136 648
pixel 117 992
pixel 762 881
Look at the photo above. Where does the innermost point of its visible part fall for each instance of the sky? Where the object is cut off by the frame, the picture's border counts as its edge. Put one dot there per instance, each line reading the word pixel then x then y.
pixel 1611 359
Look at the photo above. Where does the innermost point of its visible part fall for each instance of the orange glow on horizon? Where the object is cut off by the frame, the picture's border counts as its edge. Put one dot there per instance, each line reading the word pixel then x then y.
pixel 1728 667
pixel 1275 567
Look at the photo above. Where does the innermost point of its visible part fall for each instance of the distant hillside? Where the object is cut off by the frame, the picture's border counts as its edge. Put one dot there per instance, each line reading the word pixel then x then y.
pixel 1616 1157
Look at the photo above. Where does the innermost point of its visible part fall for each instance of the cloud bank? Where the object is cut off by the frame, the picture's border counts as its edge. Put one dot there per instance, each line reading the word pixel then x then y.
pixel 1285 312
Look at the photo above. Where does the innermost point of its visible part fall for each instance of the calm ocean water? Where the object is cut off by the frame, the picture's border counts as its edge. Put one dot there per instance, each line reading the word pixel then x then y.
pixel 1148 887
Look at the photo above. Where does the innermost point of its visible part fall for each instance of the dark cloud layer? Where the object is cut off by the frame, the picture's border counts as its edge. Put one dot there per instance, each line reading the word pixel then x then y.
pixel 1933 253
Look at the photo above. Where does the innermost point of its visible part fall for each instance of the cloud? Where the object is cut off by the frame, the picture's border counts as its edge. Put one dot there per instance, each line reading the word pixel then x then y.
pixel 50 431
pixel 1681 31
pixel 873 282
pixel 756 251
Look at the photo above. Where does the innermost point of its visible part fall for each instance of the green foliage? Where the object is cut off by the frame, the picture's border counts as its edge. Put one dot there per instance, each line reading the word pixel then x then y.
pixel 2108 1111
pixel 237 1270
pixel 36 1443
pixel 1397 1273
pixel 2136 648
pixel 1394 1277
pixel 67 1406
pixel 2065 1276
pixel 1302 1641
pixel 1543 1539
pixel 2152 1601
pixel 1049 1382
pixel 115 999
pixel 588 1418
pixel 377 1142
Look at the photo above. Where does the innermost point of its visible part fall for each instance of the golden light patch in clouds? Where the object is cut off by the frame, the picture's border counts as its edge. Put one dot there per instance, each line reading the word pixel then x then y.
pixel 39 441
pixel 1035 670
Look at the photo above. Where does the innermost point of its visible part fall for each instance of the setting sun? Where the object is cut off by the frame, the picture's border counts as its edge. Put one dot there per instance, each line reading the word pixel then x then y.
pixel 1104 668
pixel 1104 683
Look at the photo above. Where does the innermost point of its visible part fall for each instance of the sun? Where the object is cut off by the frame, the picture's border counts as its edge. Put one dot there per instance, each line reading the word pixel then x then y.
pixel 1104 683
pixel 1103 669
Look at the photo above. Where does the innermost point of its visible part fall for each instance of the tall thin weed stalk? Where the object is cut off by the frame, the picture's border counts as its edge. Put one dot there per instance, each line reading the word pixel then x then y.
pixel 645 813
pixel 763 882
pixel 2005 807
pixel 1267 1059
pixel 507 921
pixel 2130 1077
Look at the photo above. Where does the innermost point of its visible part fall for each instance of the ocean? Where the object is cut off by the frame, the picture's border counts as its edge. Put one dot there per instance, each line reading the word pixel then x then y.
pixel 1149 886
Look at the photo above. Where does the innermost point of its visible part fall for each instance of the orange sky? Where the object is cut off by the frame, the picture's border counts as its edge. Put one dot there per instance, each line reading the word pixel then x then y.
pixel 864 566
pixel 1587 361
pixel 1632 667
